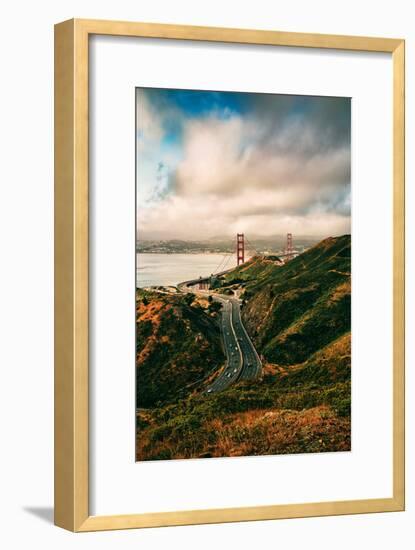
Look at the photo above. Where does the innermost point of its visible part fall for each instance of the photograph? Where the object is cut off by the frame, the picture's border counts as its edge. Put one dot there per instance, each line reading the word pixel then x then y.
pixel 243 274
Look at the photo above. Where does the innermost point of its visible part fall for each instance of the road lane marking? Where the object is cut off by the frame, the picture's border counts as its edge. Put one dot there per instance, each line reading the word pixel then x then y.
pixel 251 344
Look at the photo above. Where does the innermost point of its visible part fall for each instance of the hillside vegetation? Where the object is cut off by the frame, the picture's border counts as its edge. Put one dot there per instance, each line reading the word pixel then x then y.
pixel 178 344
pixel 298 316
pixel 294 310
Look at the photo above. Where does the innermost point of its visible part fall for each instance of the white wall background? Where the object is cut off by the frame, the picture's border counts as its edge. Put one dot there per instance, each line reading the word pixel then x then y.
pixel 26 274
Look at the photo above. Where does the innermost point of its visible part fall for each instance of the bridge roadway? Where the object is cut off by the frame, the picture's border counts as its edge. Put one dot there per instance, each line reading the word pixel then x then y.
pixel 184 287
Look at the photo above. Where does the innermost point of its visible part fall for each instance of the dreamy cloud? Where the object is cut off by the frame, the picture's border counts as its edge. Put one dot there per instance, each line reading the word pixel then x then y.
pixel 281 164
pixel 148 123
pixel 155 160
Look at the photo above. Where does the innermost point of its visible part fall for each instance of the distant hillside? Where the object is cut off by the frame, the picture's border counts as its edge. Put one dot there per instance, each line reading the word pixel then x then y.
pixel 177 345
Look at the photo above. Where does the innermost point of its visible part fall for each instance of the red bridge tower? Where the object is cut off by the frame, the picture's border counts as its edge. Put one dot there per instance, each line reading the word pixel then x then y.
pixel 289 251
pixel 240 248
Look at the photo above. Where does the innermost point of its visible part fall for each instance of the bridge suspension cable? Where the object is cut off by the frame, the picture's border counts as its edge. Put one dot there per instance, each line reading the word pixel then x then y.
pixel 224 262
pixel 251 247
pixel 225 265
pixel 225 259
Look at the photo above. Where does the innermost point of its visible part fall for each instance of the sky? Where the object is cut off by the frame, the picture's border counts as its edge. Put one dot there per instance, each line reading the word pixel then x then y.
pixel 213 164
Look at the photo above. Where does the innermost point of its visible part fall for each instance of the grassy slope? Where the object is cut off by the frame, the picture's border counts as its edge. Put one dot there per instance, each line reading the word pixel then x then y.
pixel 294 310
pixel 305 409
pixel 299 318
pixel 177 345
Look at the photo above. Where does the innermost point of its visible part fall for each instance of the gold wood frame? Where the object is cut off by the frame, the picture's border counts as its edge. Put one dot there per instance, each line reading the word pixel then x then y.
pixel 71 274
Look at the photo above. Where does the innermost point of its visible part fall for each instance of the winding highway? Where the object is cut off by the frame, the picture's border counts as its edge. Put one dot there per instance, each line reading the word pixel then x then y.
pixel 243 362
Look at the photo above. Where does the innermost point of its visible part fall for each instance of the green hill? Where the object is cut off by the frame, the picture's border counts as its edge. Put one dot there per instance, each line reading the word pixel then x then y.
pixel 178 344
pixel 299 317
pixel 292 311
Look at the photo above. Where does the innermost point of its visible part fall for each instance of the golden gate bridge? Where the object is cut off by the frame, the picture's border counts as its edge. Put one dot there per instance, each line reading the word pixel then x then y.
pixel 244 251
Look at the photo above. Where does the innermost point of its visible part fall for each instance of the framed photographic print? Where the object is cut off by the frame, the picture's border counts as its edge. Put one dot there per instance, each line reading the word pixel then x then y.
pixel 229 275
